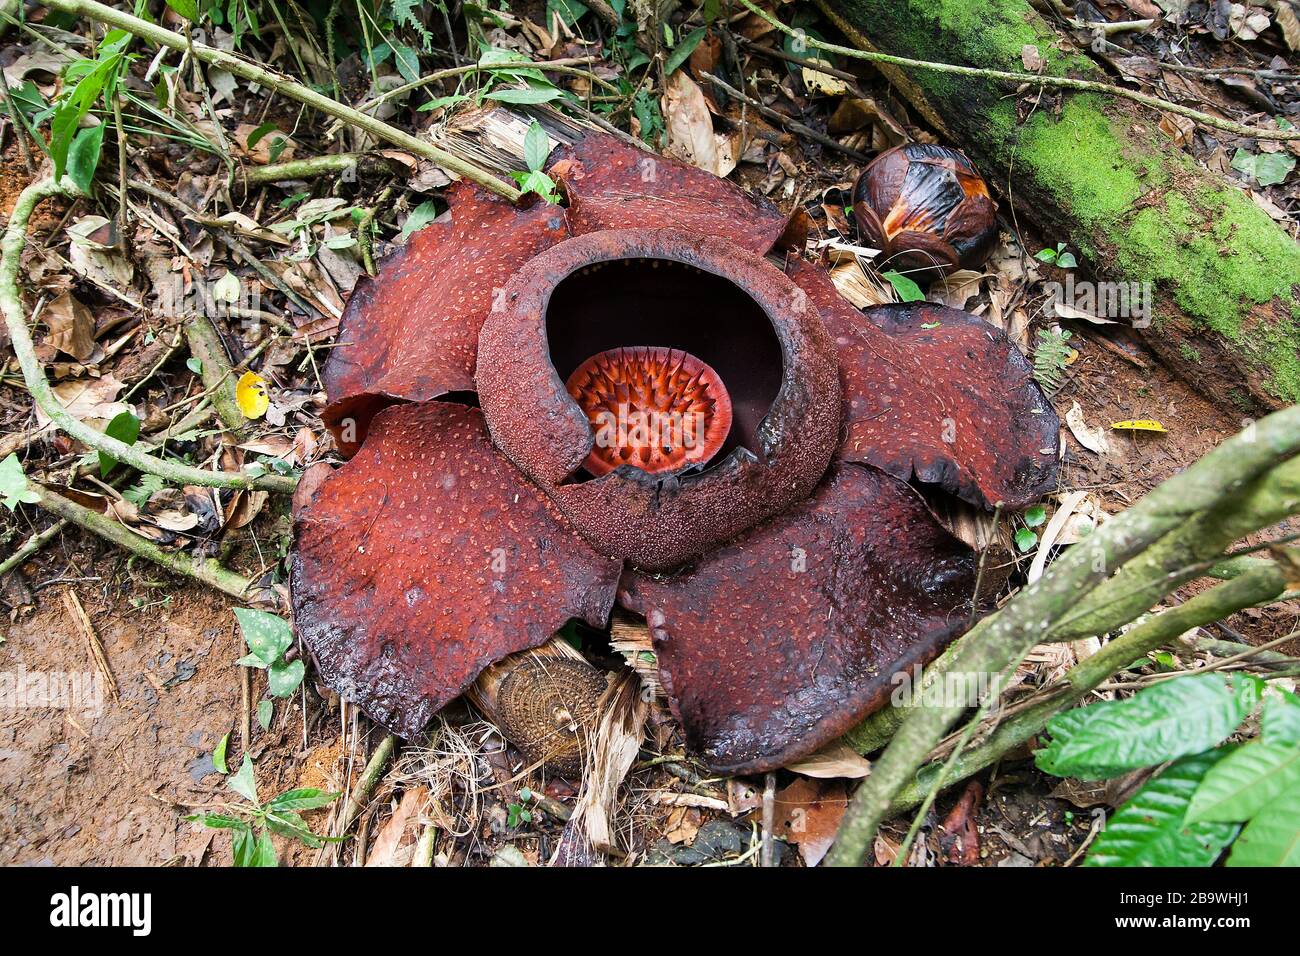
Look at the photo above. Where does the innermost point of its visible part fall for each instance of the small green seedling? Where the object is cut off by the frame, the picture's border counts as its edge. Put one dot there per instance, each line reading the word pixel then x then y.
pixel 268 637
pixel 252 824
pixel 537 146
pixel 1058 257
pixel 14 489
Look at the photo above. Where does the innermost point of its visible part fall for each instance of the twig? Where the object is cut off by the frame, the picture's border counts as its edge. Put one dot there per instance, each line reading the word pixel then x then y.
pixel 287 87
pixel 792 124
pixel 1038 79
pixel 767 848
pixel 204 570
pixel 73 604
pixel 11 248
pixel 214 370
pixel 369 777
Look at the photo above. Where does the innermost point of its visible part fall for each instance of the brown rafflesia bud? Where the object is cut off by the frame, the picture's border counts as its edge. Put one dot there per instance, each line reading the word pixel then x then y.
pixel 927 209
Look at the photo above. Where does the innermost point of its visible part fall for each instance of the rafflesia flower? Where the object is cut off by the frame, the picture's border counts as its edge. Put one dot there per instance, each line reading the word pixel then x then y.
pixel 639 397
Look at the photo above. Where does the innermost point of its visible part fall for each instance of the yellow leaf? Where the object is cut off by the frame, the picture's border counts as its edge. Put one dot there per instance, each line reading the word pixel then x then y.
pixel 818 82
pixel 1140 425
pixel 250 395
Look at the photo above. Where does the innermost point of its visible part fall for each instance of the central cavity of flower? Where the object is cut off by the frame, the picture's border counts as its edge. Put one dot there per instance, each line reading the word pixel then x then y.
pixel 656 409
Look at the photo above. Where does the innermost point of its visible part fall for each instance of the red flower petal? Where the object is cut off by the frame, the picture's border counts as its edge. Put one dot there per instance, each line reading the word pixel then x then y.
pixel 784 639
pixel 611 185
pixel 412 333
pixel 955 404
pixel 426 558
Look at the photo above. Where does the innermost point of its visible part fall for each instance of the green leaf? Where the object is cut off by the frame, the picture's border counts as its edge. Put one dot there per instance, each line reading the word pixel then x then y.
pixel 218 821
pixel 1035 516
pixel 243 783
pixel 219 755
pixel 264 852
pixel 1025 540
pixel 1266 169
pixel 537 146
pixel 1281 722
pixel 1045 255
pixel 407 60
pixel 683 50
pixel 1149 829
pixel 537 182
pixel 1184 715
pixel 83 156
pixel 529 96
pixel 440 101
pixel 265 711
pixel 189 9
pixel 1241 785
pixel 1066 260
pixel 125 427
pixel 908 291
pixel 267 635
pixel 194 365
pixel 419 217
pixel 1272 838
pixel 14 489
pixel 306 798
pixel 256 135
pixel 570 11
pixel 284 677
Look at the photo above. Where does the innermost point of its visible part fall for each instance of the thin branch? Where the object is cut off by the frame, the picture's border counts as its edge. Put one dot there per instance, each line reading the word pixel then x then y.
pixel 1038 79
pixel 287 87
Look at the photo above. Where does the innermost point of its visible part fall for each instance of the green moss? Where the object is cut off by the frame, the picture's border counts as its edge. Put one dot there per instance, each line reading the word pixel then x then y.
pixel 1188 353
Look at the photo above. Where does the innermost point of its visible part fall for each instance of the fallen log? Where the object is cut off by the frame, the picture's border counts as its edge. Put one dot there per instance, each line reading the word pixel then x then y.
pixel 1098 173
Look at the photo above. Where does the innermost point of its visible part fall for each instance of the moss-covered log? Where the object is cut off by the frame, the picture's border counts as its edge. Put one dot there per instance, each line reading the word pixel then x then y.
pixel 1098 173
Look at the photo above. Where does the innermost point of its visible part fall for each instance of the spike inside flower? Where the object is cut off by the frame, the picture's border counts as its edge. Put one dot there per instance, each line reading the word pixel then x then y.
pixel 656 409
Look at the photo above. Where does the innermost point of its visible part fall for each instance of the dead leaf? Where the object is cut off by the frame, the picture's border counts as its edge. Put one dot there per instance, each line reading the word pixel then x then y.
pixel 822 84
pixel 1093 439
pixel 72 327
pixel 251 396
pixel 94 256
pixel 88 400
pixel 690 128
pixel 1288 21
pixel 808 812
pixel 1033 60
pixel 836 760
pixel 395 844
pixel 959 837
pixel 683 824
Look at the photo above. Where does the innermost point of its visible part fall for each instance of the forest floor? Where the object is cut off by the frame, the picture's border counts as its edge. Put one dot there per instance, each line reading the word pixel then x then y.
pixel 113 784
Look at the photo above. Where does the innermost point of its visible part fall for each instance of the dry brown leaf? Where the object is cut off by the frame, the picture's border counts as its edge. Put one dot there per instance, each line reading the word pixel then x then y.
pixel 690 128
pixel 395 845
pixel 836 760
pixel 1288 21
pixel 72 327
pixel 808 812
pixel 1093 439
pixel 88 399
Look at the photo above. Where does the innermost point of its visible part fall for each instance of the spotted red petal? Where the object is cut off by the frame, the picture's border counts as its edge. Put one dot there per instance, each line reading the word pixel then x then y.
pixel 941 395
pixel 611 185
pixel 412 333
pixel 787 637
pixel 426 558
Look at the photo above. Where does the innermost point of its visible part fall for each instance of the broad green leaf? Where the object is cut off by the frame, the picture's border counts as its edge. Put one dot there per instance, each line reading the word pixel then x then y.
pixel 243 783
pixel 83 156
pixel 306 798
pixel 537 182
pixel 1025 540
pixel 1267 169
pixel 537 146
pixel 1184 715
pixel 218 821
pixel 283 677
pixel 418 218
pixel 407 60
pixel 287 823
pixel 908 291
pixel 683 50
pixel 14 489
pixel 1272 838
pixel 528 96
pixel 1035 516
pixel 267 635
pixel 125 427
pixel 569 10
pixel 265 711
pixel 189 9
pixel 243 847
pixel 256 135
pixel 1149 830
pixel 1241 785
pixel 1281 723
pixel 219 755
pixel 264 853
